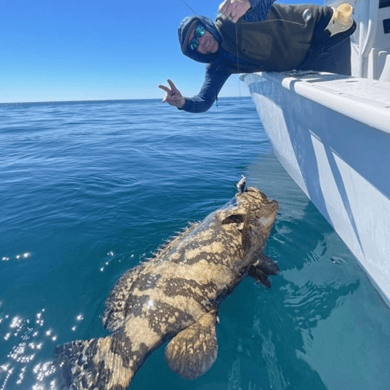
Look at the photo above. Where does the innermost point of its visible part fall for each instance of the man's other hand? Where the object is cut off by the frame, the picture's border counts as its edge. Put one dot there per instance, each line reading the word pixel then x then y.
pixel 234 9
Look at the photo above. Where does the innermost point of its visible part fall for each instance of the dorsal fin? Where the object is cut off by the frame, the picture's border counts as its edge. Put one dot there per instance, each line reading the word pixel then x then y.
pixel 114 315
pixel 115 312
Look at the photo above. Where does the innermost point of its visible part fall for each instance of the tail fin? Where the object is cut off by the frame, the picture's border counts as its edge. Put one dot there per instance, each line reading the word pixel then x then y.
pixel 104 363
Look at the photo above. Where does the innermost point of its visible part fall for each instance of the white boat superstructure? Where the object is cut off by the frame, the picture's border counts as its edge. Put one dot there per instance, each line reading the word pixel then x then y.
pixel 332 134
pixel 370 57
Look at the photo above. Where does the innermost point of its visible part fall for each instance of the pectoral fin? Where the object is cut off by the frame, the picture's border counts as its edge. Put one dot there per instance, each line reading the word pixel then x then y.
pixel 193 351
pixel 260 276
pixel 266 264
pixel 262 268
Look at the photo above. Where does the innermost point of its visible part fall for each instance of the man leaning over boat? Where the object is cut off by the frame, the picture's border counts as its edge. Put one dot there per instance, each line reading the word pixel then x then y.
pixel 256 36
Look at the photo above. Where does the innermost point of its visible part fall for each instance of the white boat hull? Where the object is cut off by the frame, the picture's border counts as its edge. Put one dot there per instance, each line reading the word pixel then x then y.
pixel 332 135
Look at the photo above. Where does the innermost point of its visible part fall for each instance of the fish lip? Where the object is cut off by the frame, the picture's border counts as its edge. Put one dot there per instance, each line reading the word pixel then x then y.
pixel 270 200
pixel 267 198
pixel 267 204
pixel 274 207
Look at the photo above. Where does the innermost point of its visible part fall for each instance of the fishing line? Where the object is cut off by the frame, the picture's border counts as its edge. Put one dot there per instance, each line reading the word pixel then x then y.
pixel 189 7
pixel 239 85
pixel 306 16
pixel 239 95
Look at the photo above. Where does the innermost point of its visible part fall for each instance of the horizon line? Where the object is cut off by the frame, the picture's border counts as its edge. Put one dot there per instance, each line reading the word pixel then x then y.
pixel 98 100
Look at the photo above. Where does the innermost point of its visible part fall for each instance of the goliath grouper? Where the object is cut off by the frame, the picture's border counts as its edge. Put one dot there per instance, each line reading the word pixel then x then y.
pixel 176 295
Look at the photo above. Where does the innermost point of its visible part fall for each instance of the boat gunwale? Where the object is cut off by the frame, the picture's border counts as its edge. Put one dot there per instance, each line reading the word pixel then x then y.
pixel 313 86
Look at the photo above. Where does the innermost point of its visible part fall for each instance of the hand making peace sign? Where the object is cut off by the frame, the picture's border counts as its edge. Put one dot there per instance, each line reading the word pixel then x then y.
pixel 173 97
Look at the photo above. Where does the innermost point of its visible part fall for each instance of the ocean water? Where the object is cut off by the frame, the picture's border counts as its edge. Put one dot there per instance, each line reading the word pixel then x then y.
pixel 90 189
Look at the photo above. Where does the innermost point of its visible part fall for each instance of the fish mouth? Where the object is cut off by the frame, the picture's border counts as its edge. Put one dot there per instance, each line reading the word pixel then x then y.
pixel 262 199
pixel 269 213
pixel 264 207
pixel 260 207
pixel 274 204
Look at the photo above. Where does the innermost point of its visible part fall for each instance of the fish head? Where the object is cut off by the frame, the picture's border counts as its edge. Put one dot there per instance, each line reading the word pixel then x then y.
pixel 252 214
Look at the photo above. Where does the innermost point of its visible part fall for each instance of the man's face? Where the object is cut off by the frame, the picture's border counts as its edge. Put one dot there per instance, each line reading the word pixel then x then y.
pixel 207 44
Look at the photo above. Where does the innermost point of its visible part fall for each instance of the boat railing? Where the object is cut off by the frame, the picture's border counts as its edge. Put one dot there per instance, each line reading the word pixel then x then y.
pixel 370 43
pixel 366 31
pixel 370 53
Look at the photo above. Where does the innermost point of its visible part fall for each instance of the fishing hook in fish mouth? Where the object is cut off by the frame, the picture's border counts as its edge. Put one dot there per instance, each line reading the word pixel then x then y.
pixel 241 185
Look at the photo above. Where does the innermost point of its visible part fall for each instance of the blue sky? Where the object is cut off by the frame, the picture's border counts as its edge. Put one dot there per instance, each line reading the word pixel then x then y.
pixel 61 50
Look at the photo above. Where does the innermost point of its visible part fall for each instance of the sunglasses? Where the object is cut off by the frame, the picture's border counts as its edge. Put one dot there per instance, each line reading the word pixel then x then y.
pixel 199 32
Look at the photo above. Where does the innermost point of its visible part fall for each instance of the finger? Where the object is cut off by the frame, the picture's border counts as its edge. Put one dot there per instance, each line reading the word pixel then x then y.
pixel 230 6
pixel 223 6
pixel 244 7
pixel 230 14
pixel 226 9
pixel 240 11
pixel 173 86
pixel 163 87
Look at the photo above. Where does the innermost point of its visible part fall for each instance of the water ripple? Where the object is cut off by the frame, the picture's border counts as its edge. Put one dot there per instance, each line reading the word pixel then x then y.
pixel 89 190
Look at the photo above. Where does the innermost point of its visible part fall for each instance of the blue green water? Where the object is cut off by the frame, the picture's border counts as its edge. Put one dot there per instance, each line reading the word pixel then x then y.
pixel 90 189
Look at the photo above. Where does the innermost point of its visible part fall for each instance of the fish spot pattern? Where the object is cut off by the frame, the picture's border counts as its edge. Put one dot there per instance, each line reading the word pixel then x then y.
pixel 174 295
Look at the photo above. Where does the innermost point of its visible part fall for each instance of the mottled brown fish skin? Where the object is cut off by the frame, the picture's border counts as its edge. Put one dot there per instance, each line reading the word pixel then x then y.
pixel 177 292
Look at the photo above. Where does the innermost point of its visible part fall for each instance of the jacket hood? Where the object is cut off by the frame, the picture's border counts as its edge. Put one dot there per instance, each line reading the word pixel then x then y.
pixel 185 28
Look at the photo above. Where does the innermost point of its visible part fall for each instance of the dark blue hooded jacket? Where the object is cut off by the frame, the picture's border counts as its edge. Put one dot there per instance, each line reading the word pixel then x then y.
pixel 223 63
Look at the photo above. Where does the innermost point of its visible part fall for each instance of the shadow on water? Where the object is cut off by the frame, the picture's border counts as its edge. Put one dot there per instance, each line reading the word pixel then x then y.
pixel 306 293
pixel 274 326
pixel 315 328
